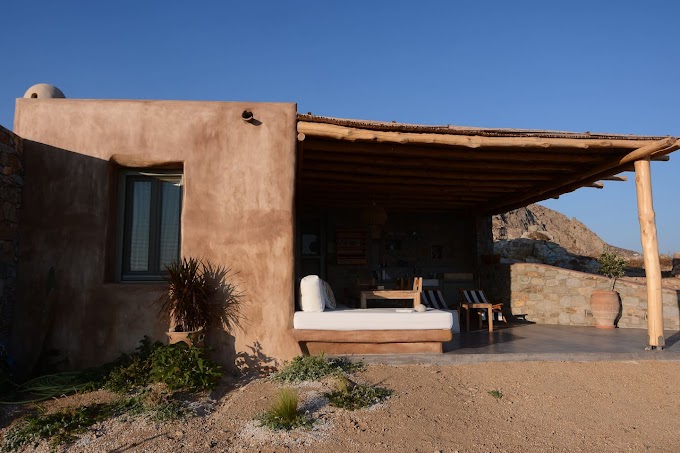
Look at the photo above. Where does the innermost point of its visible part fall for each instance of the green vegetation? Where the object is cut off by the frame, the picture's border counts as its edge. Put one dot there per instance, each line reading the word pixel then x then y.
pixel 311 368
pixel 284 413
pixel 496 394
pixel 350 395
pixel 147 379
pixel 63 426
pixel 178 366
pixel 200 294
pixel 183 367
pixel 612 266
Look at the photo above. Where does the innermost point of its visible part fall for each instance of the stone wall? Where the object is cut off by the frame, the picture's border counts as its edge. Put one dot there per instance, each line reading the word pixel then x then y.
pixel 11 183
pixel 551 295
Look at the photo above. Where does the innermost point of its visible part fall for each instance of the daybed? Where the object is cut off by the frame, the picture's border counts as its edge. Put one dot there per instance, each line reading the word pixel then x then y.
pixel 342 330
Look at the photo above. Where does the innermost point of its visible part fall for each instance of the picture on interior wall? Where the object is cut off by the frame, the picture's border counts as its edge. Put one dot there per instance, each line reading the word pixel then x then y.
pixel 310 244
pixel 437 252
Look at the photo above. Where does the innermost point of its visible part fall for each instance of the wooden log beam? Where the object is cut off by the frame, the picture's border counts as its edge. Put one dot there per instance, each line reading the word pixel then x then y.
pixel 426 161
pixel 615 178
pixel 568 155
pixel 650 250
pixel 563 185
pixel 406 170
pixel 413 178
pixel 351 134
pixel 345 182
pixel 595 185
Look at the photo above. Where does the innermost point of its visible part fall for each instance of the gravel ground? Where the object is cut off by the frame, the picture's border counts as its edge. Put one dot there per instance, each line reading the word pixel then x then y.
pixel 545 406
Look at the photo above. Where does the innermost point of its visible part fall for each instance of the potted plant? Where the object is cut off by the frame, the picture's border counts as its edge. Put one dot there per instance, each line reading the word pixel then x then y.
pixel 605 305
pixel 199 294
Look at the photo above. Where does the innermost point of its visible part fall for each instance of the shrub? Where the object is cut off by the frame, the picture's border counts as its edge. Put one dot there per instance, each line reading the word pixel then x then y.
pixel 284 413
pixel 183 367
pixel 349 395
pixel 62 426
pixel 612 266
pixel 311 368
pixel 200 294
pixel 496 394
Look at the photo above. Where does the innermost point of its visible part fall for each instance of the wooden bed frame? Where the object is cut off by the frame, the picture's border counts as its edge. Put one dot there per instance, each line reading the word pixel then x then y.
pixel 372 341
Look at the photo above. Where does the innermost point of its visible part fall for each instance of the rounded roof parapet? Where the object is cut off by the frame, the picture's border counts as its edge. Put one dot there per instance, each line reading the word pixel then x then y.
pixel 44 91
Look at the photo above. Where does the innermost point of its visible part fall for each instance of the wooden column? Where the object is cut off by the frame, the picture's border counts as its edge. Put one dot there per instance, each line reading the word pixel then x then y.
pixel 650 248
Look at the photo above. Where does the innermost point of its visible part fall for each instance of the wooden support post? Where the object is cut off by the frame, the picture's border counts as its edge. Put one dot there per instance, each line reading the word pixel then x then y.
pixel 650 248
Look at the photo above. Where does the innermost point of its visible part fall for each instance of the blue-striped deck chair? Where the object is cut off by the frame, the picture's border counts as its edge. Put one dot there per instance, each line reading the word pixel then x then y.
pixel 433 298
pixel 477 296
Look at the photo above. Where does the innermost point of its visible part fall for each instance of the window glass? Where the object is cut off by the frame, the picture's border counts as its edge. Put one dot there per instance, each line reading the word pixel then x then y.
pixel 139 231
pixel 152 205
pixel 170 218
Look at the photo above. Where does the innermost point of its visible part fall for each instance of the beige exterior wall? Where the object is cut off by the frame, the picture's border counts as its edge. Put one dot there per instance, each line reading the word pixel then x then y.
pixel 238 211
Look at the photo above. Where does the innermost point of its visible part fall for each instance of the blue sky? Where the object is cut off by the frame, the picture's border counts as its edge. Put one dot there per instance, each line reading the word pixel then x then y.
pixel 607 66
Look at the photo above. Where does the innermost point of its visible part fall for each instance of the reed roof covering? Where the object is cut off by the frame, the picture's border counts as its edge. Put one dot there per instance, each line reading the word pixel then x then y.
pixel 358 163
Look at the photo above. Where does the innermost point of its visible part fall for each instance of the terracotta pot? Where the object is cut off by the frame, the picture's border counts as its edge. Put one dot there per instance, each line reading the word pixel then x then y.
pixel 191 338
pixel 605 306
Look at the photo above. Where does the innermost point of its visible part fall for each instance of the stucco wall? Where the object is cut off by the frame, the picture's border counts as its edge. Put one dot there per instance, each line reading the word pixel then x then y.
pixel 11 183
pixel 237 211
pixel 551 295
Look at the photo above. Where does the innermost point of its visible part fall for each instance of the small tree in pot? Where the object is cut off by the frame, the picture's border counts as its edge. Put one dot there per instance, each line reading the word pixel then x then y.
pixel 605 305
pixel 612 266
pixel 199 294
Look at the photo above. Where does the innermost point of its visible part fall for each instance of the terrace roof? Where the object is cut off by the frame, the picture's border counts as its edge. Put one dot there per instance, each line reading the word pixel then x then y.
pixel 358 163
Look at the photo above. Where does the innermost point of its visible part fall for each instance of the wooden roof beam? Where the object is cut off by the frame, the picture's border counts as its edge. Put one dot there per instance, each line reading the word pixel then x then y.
pixel 419 172
pixel 615 178
pixel 442 152
pixel 352 134
pixel 427 162
pixel 368 181
pixel 657 148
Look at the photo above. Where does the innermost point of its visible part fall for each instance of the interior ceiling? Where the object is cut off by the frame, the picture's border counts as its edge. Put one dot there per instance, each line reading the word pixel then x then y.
pixel 343 163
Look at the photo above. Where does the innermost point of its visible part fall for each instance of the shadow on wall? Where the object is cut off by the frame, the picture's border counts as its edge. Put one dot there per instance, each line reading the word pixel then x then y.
pixel 67 302
pixel 255 361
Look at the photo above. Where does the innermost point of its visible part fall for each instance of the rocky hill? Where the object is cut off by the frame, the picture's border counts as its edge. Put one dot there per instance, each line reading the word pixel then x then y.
pixel 539 234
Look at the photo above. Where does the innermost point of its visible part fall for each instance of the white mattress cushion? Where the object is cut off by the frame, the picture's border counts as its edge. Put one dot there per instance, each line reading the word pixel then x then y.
pixel 312 294
pixel 373 319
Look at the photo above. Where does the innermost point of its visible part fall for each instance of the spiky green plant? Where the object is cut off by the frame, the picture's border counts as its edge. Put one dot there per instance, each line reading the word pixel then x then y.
pixel 284 412
pixel 199 294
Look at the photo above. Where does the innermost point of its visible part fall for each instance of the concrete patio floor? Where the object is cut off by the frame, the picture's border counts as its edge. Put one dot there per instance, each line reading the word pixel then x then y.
pixel 541 342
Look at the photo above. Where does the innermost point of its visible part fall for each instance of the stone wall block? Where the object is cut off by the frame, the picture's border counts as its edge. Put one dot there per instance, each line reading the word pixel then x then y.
pixel 565 296
pixel 573 282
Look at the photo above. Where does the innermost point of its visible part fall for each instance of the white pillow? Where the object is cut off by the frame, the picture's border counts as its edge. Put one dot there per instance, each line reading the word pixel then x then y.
pixel 312 294
pixel 330 297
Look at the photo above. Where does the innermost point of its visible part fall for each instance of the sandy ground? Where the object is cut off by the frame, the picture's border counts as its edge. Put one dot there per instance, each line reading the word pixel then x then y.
pixel 549 406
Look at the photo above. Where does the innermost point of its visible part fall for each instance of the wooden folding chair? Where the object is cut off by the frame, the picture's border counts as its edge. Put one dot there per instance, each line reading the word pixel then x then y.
pixel 475 299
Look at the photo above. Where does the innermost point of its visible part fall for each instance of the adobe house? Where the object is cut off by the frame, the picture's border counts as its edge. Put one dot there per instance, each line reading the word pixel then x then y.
pixel 275 195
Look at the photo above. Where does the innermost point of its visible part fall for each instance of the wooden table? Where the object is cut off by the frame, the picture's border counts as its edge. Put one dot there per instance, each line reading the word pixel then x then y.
pixel 489 316
pixel 390 294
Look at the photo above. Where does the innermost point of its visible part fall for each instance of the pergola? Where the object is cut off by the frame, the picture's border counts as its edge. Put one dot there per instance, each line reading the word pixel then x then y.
pixel 475 171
